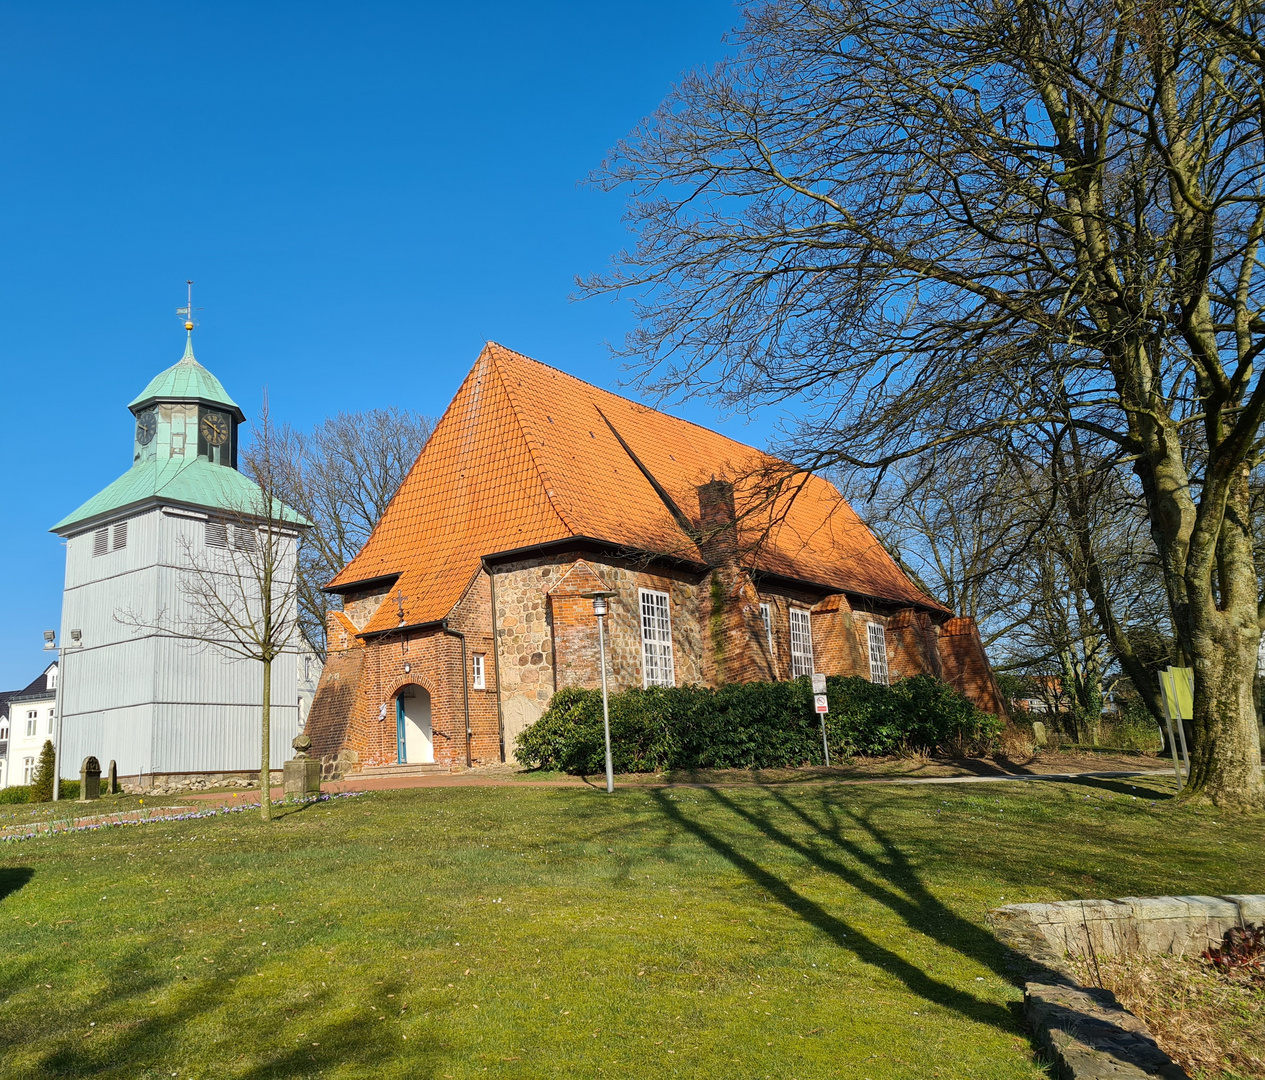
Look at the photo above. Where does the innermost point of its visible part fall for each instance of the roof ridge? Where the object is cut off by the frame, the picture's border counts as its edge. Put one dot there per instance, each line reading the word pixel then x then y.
pixel 546 481
pixel 630 401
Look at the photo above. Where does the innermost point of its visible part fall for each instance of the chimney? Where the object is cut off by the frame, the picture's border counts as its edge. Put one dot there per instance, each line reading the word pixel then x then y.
pixel 718 538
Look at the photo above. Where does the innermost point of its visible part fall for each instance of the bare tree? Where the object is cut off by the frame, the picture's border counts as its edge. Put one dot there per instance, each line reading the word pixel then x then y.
pixel 340 476
pixel 930 221
pixel 238 593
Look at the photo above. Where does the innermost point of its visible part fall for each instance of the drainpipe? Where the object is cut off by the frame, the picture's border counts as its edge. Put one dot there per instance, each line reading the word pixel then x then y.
pixel 465 683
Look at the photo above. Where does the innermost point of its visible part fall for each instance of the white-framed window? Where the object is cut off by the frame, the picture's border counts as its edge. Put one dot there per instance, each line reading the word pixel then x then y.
pixel 30 722
pixel 766 617
pixel 100 542
pixel 656 640
pixel 28 770
pixel 878 653
pixel 120 535
pixel 52 713
pixel 801 643
pixel 216 534
pixel 480 678
pixel 51 681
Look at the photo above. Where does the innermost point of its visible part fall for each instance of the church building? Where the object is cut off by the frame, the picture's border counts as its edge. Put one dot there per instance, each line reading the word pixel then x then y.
pixel 471 602
pixel 136 687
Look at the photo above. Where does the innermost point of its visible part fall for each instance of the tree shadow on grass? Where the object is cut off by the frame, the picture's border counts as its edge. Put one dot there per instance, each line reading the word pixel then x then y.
pixel 12 878
pixel 891 880
pixel 139 1025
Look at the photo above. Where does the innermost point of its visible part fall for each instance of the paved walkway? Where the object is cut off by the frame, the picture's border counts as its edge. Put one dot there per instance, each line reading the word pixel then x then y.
pixel 446 780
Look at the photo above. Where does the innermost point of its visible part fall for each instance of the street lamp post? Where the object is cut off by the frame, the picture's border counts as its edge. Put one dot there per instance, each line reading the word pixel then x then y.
pixel 50 645
pixel 599 610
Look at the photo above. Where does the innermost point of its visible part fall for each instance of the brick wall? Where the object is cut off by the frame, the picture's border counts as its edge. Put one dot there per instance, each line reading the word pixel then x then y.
pixel 913 645
pixel 966 666
pixel 836 646
pixel 355 705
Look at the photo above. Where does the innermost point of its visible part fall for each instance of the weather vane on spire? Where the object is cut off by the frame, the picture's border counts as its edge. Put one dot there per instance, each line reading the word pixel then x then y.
pixel 186 313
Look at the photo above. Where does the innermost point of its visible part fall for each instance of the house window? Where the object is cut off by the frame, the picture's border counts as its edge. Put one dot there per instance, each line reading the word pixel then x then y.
pixel 28 770
pixel 878 653
pixel 51 681
pixel 30 722
pixel 51 715
pixel 801 643
pixel 656 640
pixel 100 542
pixel 216 534
pixel 766 616
pixel 244 538
pixel 480 680
pixel 120 535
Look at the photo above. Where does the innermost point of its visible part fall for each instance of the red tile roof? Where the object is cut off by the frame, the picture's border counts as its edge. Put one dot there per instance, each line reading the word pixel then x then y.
pixel 526 454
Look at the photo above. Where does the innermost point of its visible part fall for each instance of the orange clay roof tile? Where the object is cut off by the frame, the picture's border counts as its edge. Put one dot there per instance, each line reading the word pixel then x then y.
pixel 526 454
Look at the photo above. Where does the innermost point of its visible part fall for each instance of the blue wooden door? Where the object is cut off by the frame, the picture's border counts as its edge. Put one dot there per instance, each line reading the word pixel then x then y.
pixel 400 754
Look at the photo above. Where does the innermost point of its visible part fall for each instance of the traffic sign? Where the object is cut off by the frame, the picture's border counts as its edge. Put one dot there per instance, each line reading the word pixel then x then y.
pixel 819 701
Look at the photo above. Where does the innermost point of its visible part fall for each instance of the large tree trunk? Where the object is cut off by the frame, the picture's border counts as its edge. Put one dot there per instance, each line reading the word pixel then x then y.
pixel 265 763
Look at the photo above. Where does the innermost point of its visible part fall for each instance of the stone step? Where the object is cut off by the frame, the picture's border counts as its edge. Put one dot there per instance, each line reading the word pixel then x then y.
pixel 399 770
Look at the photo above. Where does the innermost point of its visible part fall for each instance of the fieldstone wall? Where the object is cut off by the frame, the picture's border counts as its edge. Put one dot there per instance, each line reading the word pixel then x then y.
pixel 1087 1032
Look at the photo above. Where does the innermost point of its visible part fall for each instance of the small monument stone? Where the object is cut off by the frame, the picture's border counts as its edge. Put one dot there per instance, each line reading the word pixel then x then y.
pixel 1038 733
pixel 301 775
pixel 112 785
pixel 89 780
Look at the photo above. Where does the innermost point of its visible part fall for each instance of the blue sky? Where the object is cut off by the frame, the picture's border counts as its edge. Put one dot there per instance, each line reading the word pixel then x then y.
pixel 362 193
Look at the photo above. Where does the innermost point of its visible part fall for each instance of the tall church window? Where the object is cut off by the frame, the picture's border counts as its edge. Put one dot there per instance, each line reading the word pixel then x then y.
pixel 480 676
pixel 100 542
pixel 656 640
pixel 878 653
pixel 766 617
pixel 801 643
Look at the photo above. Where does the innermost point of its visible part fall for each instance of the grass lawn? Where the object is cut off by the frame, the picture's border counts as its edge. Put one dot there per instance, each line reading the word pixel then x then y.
pixel 800 929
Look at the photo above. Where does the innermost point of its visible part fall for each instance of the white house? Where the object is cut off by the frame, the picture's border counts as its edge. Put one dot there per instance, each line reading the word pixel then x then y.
pixel 136 687
pixel 28 719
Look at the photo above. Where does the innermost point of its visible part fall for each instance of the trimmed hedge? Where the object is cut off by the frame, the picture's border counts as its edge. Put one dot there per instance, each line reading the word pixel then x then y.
pixel 752 725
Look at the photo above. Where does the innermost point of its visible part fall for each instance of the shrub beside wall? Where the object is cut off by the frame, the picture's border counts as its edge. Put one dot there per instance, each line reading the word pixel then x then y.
pixel 752 725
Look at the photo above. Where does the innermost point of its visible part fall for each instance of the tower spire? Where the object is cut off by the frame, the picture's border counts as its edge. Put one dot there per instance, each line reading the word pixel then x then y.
pixel 186 313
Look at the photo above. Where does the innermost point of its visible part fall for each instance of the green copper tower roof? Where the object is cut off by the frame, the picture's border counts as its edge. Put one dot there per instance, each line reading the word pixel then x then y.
pixel 186 380
pixel 195 483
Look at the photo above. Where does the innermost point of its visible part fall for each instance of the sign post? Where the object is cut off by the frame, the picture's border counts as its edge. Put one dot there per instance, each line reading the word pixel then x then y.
pixel 822 705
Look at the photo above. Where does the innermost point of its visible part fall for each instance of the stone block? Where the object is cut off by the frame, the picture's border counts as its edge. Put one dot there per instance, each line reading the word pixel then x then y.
pixel 301 777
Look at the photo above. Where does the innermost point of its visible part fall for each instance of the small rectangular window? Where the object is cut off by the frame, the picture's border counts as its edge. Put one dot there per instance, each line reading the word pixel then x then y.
pixel 100 542
pixel 801 643
pixel 878 653
pixel 28 770
pixel 120 535
pixel 244 538
pixel 656 640
pixel 30 723
pixel 766 616
pixel 216 534
pixel 480 679
pixel 50 721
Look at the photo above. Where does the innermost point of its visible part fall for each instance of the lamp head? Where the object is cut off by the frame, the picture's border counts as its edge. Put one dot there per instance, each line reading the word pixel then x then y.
pixel 50 639
pixel 76 636
pixel 599 606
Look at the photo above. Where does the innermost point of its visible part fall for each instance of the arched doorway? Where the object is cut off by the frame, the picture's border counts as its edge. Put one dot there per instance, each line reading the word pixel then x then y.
pixel 414 743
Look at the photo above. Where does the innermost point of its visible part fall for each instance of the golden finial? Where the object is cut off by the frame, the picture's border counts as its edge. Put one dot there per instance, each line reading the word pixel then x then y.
pixel 186 312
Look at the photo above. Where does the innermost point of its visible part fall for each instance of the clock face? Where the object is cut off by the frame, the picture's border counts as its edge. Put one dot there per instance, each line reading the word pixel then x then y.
pixel 146 428
pixel 215 429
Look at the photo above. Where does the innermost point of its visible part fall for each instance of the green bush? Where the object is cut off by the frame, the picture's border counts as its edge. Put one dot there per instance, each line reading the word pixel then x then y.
pixel 18 793
pixel 751 725
pixel 1132 728
pixel 42 781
